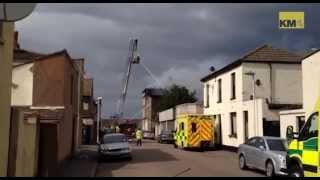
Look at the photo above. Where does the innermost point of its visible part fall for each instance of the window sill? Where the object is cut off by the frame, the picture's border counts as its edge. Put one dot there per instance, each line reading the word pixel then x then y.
pixel 233 98
pixel 219 101
pixel 233 136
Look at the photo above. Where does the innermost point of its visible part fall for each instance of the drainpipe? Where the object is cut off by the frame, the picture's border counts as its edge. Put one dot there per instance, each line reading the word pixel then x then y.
pixel 254 103
pixel 99 100
pixel 252 74
pixel 78 113
pixel 271 87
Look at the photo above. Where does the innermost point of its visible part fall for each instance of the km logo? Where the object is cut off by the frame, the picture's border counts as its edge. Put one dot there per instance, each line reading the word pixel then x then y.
pixel 291 20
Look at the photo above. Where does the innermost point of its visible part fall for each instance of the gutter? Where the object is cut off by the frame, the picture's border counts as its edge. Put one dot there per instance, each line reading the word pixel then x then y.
pixel 78 113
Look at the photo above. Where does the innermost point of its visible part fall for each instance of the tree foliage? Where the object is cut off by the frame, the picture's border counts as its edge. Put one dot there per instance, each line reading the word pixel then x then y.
pixel 175 95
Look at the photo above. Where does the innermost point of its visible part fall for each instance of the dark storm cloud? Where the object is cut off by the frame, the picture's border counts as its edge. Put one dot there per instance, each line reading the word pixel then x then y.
pixel 177 42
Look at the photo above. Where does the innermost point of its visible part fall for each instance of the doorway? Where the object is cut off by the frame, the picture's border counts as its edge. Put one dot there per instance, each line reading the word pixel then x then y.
pixel 48 147
pixel 86 134
pixel 217 131
pixel 246 126
pixel 271 128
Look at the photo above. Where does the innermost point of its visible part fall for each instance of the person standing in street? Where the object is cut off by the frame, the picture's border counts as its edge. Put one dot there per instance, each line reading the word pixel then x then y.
pixel 175 138
pixel 139 137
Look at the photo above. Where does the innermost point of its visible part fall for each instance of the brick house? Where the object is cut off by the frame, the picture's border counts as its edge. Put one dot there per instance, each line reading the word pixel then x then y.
pixel 48 83
pixel 88 112
pixel 150 103
pixel 80 82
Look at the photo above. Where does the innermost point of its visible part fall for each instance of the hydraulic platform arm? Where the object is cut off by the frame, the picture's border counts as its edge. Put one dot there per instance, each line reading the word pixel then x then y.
pixel 133 58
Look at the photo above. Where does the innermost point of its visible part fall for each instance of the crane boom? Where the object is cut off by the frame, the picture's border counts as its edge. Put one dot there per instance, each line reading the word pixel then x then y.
pixel 132 59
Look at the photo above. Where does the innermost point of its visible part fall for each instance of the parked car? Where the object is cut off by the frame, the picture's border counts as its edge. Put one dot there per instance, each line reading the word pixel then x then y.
pixel 109 131
pixel 265 153
pixel 113 146
pixel 166 136
pixel 148 135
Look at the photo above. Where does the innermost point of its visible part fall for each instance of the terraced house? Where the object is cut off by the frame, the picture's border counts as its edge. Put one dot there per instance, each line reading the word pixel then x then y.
pixel 246 95
pixel 51 85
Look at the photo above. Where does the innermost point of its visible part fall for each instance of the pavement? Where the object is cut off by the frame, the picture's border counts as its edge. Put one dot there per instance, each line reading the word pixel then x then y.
pixel 83 164
pixel 163 160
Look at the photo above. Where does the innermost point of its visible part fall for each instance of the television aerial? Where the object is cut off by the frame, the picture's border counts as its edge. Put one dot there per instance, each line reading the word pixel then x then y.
pixel 212 69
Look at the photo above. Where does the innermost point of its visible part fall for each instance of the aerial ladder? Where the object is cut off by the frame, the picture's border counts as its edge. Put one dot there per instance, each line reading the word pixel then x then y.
pixel 133 58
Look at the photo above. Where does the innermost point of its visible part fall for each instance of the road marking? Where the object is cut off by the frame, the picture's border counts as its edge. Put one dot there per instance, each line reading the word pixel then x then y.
pixel 186 170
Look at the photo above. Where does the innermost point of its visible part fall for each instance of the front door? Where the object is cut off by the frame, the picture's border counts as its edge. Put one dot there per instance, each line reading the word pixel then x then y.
pixel 217 131
pixel 48 150
pixel 246 132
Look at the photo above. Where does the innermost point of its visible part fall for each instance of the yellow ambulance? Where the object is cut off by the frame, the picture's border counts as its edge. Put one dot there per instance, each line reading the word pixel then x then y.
pixel 303 158
pixel 194 131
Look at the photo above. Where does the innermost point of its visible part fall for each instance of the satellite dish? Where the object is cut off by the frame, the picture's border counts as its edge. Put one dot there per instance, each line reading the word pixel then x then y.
pixel 11 12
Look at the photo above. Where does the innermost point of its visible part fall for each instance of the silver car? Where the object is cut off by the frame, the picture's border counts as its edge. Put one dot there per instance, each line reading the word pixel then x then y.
pixel 265 153
pixel 114 145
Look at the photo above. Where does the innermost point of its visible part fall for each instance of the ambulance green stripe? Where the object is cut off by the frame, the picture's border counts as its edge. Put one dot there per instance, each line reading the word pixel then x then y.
pixel 294 151
pixel 311 144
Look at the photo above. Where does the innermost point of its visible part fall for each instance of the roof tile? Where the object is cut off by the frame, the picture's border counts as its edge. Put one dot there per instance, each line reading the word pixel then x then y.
pixel 269 53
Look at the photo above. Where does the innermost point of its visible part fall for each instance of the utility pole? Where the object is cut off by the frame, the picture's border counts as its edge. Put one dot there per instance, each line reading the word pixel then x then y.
pixel 9 13
pixel 99 103
pixel 6 57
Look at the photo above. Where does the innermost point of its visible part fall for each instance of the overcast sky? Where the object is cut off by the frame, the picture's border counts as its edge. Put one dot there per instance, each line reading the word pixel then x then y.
pixel 177 42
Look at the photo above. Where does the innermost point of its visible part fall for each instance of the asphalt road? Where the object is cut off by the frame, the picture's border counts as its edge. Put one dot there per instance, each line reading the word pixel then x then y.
pixel 163 160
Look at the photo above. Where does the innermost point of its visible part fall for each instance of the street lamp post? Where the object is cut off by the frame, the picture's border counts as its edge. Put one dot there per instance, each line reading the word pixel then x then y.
pixel 99 103
pixel 252 74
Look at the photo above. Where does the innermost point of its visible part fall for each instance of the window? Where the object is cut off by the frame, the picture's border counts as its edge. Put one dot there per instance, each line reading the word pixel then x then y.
pixel 233 122
pixel 277 145
pixel 310 129
pixel 108 139
pixel 300 122
pixel 260 142
pixel 207 95
pixel 219 91
pixel 252 141
pixel 212 91
pixel 85 106
pixel 233 86
pixel 181 126
pixel 193 127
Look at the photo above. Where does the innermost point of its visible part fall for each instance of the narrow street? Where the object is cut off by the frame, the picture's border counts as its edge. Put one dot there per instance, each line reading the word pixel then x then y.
pixel 204 75
pixel 163 160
